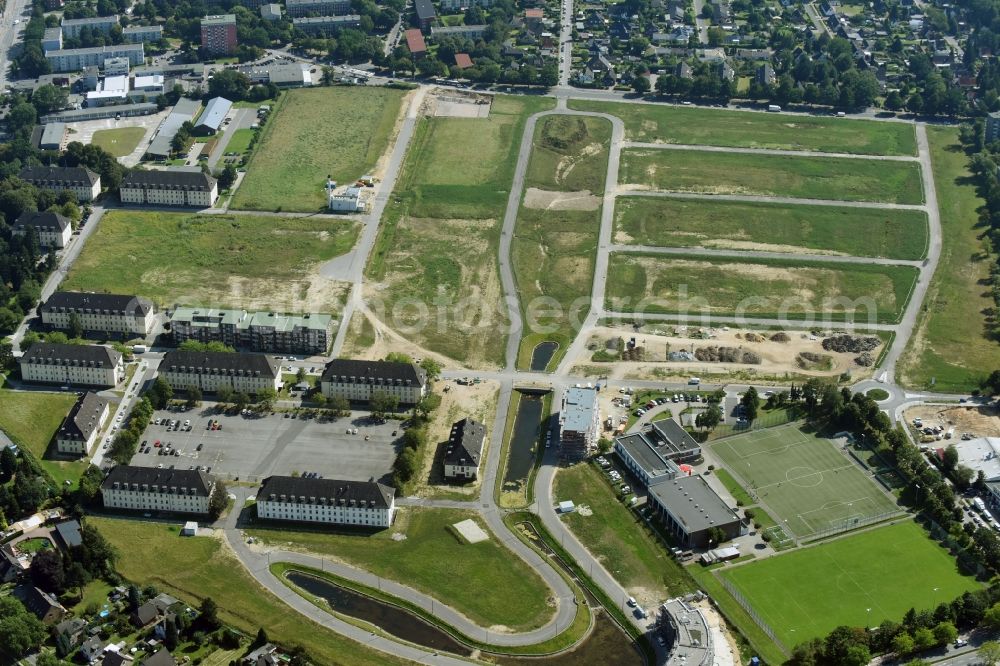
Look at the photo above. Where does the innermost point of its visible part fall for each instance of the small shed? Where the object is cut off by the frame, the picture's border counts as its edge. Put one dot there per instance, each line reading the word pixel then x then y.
pixel 566 507
pixel 190 528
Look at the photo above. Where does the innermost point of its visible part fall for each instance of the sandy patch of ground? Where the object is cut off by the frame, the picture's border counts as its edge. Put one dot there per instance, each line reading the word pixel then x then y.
pixel 477 401
pixel 386 341
pixel 977 420
pixel 725 651
pixel 766 247
pixel 656 269
pixel 414 96
pixel 548 200
pixel 777 358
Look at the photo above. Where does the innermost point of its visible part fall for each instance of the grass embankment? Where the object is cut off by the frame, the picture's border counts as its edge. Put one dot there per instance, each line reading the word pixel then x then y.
pixel 837 179
pixel 953 344
pixel 859 581
pixel 861 232
pixel 31 419
pixel 119 142
pixel 742 129
pixel 220 260
pixel 618 537
pixel 439 238
pixel 192 568
pixel 555 244
pixel 312 134
pixel 435 561
pixel 765 288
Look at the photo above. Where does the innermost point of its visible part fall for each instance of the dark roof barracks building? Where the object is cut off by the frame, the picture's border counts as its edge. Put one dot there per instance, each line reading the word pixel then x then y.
pixel 687 505
pixel 53 229
pixel 152 489
pixel 169 187
pixel 79 365
pixel 210 370
pixel 465 448
pixel 112 314
pixel 82 426
pixel 81 181
pixel 331 501
pixel 359 380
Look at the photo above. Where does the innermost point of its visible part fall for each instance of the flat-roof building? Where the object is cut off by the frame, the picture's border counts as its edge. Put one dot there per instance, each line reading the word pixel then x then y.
pixel 318 7
pixel 579 420
pixel 641 457
pixel 101 112
pixel 330 501
pixel 52 39
pixel 71 28
pixel 690 509
pixel 112 90
pixel 472 32
pixel 72 60
pixel 274 332
pixel 82 426
pixel 326 24
pixel 113 315
pixel 169 187
pixel 142 33
pixel 218 34
pixel 283 75
pixel 52 136
pixel 359 380
pixel 270 12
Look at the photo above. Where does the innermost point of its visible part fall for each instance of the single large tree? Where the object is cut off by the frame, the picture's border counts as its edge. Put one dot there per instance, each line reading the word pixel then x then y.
pixel 751 404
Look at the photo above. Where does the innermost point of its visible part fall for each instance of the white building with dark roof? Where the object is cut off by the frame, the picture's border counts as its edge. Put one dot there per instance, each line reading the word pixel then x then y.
pixel 169 187
pixel 73 365
pixel 109 314
pixel 83 182
pixel 152 489
pixel 53 229
pixel 330 501
pixel 464 450
pixel 208 371
pixel 82 426
pixel 358 380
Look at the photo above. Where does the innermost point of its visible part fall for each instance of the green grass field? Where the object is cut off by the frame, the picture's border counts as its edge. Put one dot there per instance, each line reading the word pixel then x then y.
pixel 569 154
pixel 838 179
pixel 463 167
pixel 119 142
pixel 955 357
pixel 757 288
pixel 31 419
pixel 340 132
pixel 239 142
pixel 192 568
pixel 433 560
pixel 672 124
pixel 861 232
pixel 618 538
pixel 859 580
pixel 803 478
pixel 219 260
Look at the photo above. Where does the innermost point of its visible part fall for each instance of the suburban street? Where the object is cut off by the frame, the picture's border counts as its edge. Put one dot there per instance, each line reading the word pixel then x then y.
pixel 14 10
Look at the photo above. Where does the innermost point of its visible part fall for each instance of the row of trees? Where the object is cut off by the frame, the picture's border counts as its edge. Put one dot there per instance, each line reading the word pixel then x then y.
pixel 126 441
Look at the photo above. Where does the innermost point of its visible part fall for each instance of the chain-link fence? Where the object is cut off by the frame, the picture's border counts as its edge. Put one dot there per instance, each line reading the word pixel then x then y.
pixel 748 607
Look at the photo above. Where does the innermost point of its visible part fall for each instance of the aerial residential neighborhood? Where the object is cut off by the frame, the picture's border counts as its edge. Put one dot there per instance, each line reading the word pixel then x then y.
pixel 497 331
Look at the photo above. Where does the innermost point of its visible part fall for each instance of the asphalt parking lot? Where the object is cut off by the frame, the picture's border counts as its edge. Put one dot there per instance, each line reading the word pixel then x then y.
pixel 250 448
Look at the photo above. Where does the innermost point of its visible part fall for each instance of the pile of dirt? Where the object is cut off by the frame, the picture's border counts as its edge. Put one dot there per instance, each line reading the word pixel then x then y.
pixel 634 354
pixel 854 344
pixel 813 361
pixel 780 336
pixel 753 337
pixel 865 360
pixel 561 132
pixel 715 354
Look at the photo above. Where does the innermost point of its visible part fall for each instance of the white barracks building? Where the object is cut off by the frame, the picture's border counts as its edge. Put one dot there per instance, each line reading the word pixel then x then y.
pixel 152 489
pixel 82 425
pixel 209 370
pixel 113 314
pixel 358 380
pixel 331 501
pixel 75 365
pixel 169 187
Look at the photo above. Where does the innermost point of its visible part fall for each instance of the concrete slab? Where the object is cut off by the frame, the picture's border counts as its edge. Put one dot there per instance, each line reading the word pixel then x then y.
pixel 471 531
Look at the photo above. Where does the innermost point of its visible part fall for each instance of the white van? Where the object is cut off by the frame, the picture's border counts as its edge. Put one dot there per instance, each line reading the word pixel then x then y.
pixel 694 381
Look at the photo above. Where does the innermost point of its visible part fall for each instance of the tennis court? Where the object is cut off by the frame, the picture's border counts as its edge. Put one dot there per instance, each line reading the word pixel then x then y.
pixel 806 480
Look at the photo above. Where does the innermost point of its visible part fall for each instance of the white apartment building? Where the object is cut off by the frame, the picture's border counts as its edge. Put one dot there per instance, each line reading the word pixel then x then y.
pixel 142 33
pixel 359 380
pixel 73 365
pixel 207 371
pixel 83 182
pixel 111 314
pixel 71 28
pixel 53 229
pixel 82 426
pixel 330 501
pixel 73 60
pixel 454 6
pixel 317 7
pixel 169 187
pixel 152 489
pixel 464 450
pixel 579 423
